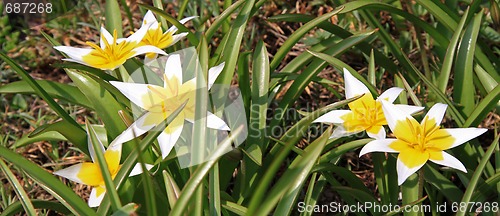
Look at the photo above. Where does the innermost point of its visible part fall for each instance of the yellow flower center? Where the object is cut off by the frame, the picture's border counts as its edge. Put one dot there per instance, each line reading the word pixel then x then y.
pixel 367 114
pixel 91 174
pixel 112 55
pixel 418 143
pixel 156 37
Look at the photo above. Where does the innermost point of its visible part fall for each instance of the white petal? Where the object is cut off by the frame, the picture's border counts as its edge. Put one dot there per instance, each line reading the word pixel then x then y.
pixel 450 161
pixel 353 86
pixel 463 135
pixel 404 172
pixel 71 173
pixel 149 18
pixel 408 109
pixel 390 95
pixel 437 112
pixel 393 114
pixel 138 169
pixel 213 73
pixel 333 117
pixel 147 60
pixel 95 200
pixel 173 67
pixel 74 53
pixel 139 34
pixel 167 140
pixel 215 122
pixel 147 49
pixel 379 135
pixel 380 145
pixel 136 129
pixel 182 21
pixel 135 92
pixel 340 131
pixel 107 35
pixel 176 38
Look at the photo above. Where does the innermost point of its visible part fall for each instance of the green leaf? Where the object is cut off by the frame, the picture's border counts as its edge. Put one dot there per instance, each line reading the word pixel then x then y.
pixel 289 186
pixel 221 19
pixel 127 210
pixel 483 108
pixel 55 187
pixel 113 18
pixel 173 190
pixel 56 90
pixel 463 86
pixel 476 176
pixel 76 137
pixel 442 183
pixel 297 35
pixel 44 136
pixel 18 188
pixel 16 208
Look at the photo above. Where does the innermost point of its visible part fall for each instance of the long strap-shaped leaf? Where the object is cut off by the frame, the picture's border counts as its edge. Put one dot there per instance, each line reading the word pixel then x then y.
pixel 18 188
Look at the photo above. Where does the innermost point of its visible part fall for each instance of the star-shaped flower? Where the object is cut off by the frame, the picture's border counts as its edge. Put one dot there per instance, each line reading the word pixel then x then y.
pixel 89 173
pixel 418 143
pixel 161 101
pixel 112 52
pixel 156 37
pixel 366 113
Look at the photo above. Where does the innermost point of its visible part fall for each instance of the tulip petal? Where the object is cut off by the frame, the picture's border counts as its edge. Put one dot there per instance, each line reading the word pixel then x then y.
pixel 149 18
pixel 408 109
pixel 74 53
pixel 137 128
pixel 137 36
pixel 105 35
pixel 138 93
pixel 96 196
pixel 404 172
pixel 147 49
pixel 138 169
pixel 213 73
pixel 174 28
pixel 437 113
pixel 393 115
pixel 379 145
pixel 463 135
pixel 170 135
pixel 332 117
pixel 340 131
pixel 450 161
pixel 176 38
pixel 215 122
pixel 71 173
pixel 173 67
pixel 390 95
pixel 353 87
pixel 377 134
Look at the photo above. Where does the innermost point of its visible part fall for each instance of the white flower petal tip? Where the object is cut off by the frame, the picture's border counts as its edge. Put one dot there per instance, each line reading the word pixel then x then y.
pixel 409 109
pixel 381 145
pixel 393 114
pixel 95 200
pixel 379 135
pixel 353 86
pixel 217 123
pixel 213 73
pixel 391 94
pixel 437 112
pixel 138 169
pixel 404 172
pixel 450 161
pixel 148 49
pixel 462 135
pixel 149 18
pixel 70 173
pixel 333 117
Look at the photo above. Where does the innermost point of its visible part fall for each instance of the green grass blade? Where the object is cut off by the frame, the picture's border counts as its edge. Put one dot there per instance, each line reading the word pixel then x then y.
pixel 221 19
pixel 444 76
pixel 487 189
pixel 113 17
pixel 288 187
pixel 47 136
pixel 56 90
pixel 483 108
pixel 200 173
pixel 55 187
pixel 333 154
pixel 442 183
pixel 17 207
pixel 297 35
pixel 41 92
pixel 29 209
pixel 463 86
pixel 127 210
pixel 103 166
pixel 476 176
pixel 234 207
